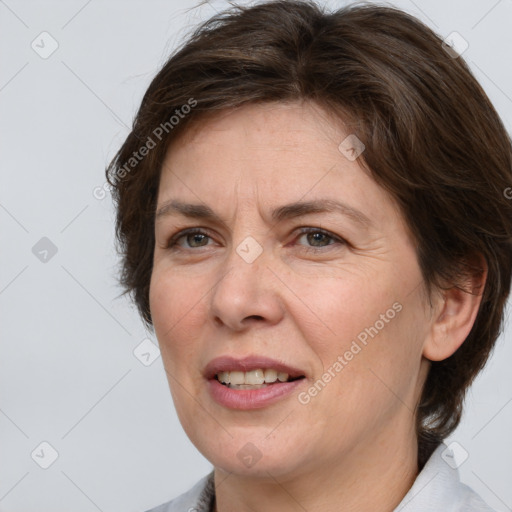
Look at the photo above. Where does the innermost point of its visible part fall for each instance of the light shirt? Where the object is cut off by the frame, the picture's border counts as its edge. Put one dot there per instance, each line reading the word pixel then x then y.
pixel 437 488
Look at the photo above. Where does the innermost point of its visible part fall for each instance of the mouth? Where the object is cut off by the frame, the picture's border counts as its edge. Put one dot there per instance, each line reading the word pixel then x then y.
pixel 251 371
pixel 254 379
pixel 251 382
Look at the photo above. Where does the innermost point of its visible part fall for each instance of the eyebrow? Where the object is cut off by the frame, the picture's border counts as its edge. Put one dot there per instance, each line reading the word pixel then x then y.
pixel 285 212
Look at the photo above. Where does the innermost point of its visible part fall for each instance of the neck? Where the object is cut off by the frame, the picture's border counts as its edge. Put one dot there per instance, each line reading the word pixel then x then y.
pixel 373 477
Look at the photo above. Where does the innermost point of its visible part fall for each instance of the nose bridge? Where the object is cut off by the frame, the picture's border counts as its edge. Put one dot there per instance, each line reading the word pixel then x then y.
pixel 245 289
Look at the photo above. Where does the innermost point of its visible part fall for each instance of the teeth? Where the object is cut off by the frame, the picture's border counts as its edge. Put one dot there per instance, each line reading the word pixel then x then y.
pixel 254 377
pixel 270 375
pixel 237 378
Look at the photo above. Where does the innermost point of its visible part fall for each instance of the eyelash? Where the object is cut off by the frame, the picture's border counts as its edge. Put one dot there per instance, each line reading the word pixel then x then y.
pixel 173 241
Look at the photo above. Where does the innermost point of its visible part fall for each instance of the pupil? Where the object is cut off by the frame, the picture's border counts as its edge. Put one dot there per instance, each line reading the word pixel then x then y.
pixel 196 238
pixel 316 238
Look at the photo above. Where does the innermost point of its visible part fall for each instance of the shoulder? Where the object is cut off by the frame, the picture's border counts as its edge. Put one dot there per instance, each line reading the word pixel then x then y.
pixel 196 499
pixel 438 487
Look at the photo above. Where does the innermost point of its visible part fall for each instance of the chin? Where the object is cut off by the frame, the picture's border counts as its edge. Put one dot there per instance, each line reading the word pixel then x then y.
pixel 250 454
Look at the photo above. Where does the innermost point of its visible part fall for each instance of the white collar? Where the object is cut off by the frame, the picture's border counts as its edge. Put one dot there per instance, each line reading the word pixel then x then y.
pixel 438 488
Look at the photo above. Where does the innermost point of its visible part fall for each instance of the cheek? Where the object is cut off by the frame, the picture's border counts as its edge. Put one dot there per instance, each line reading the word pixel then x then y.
pixel 178 311
pixel 176 307
pixel 371 338
pixel 347 307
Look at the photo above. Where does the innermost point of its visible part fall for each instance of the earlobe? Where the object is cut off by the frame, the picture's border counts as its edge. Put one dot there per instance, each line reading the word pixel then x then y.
pixel 455 314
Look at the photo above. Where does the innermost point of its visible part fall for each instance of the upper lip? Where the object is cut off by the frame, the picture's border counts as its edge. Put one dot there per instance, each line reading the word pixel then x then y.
pixel 246 364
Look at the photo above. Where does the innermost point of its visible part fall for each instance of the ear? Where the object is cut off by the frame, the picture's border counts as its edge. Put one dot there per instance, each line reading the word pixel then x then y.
pixel 454 313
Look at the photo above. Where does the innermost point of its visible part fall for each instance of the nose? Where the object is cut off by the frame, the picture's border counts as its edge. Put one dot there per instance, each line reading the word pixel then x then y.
pixel 246 294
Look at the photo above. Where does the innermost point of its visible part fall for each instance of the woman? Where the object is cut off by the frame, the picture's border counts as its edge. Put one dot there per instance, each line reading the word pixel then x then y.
pixel 311 215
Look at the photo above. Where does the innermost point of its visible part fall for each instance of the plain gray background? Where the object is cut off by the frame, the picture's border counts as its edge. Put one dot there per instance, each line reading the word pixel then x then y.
pixel 68 373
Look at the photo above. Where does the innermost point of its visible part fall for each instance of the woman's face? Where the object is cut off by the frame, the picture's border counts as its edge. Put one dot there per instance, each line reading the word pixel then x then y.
pixel 331 289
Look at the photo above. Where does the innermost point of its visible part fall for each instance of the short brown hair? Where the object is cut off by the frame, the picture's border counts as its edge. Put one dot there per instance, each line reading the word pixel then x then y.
pixel 433 141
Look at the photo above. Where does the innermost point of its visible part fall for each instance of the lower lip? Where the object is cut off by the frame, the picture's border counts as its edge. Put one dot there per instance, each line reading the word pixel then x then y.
pixel 251 398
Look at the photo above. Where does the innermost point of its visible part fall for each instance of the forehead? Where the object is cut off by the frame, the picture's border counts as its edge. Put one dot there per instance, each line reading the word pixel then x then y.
pixel 268 155
pixel 254 122
pixel 279 143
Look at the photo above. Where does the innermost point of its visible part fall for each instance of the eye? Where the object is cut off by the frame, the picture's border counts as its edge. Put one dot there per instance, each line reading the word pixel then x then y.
pixel 191 237
pixel 318 238
pixel 315 238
